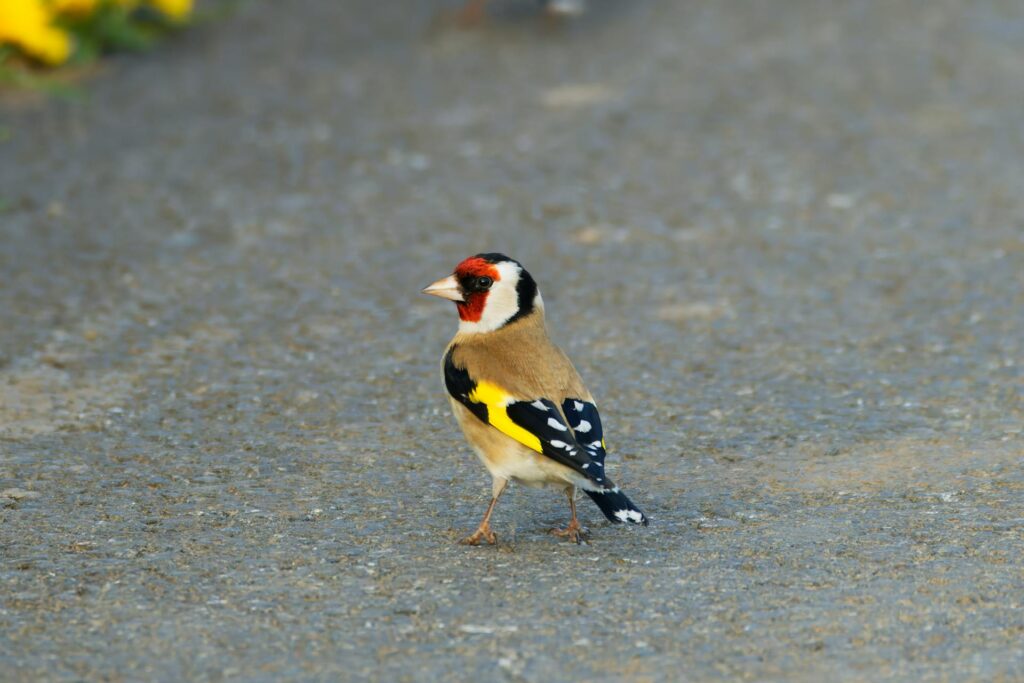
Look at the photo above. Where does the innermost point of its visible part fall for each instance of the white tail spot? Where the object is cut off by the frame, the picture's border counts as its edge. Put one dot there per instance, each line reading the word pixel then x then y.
pixel 634 516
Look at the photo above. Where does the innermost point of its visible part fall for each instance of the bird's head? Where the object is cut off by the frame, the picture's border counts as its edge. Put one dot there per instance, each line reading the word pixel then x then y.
pixel 490 291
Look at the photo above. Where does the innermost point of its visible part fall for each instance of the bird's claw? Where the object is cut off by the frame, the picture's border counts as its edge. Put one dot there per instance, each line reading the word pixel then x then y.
pixel 471 14
pixel 481 534
pixel 575 532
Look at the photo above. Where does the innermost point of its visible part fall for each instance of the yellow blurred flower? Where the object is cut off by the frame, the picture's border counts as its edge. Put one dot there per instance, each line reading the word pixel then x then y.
pixel 28 24
pixel 177 10
pixel 74 8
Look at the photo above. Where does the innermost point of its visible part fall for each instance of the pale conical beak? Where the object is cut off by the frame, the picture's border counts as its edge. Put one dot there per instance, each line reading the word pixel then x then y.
pixel 446 288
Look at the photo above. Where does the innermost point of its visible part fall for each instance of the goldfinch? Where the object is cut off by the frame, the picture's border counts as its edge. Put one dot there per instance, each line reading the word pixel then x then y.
pixel 473 11
pixel 518 399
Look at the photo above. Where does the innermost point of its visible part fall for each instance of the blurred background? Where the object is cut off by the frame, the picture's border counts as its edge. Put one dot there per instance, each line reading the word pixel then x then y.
pixel 783 243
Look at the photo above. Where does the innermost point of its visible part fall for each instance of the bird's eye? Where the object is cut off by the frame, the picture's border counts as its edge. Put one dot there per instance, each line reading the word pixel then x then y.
pixel 484 282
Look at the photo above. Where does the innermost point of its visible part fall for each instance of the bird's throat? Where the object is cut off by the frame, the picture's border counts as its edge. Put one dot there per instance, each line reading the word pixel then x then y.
pixel 472 309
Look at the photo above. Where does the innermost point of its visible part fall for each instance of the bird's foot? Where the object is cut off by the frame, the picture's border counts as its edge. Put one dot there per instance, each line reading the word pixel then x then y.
pixel 575 532
pixel 484 533
pixel 472 14
pixel 560 9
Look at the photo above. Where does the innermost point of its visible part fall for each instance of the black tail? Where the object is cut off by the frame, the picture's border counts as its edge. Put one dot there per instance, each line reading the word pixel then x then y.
pixel 617 507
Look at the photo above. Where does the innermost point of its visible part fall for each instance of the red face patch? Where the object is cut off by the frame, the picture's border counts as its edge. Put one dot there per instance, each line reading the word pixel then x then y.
pixel 472 309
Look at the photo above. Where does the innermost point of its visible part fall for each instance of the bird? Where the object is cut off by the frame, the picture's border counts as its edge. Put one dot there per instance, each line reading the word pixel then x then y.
pixel 519 400
pixel 473 11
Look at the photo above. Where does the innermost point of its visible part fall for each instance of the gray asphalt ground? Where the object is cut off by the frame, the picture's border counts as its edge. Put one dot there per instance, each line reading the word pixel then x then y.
pixel 783 242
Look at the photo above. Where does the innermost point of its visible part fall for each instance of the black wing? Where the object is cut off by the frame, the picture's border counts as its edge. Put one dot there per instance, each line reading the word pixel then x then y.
pixel 585 422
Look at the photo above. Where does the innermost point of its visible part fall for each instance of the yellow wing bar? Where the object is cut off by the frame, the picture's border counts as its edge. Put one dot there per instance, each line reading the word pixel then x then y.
pixel 497 400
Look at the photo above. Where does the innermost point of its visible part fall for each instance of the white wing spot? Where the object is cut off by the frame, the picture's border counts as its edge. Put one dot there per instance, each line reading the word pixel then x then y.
pixel 539 405
pixel 559 444
pixel 583 426
pixel 555 424
pixel 596 444
pixel 586 465
pixel 579 406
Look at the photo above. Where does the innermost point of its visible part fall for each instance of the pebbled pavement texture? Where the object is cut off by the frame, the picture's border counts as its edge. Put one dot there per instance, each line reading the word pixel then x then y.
pixel 783 242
